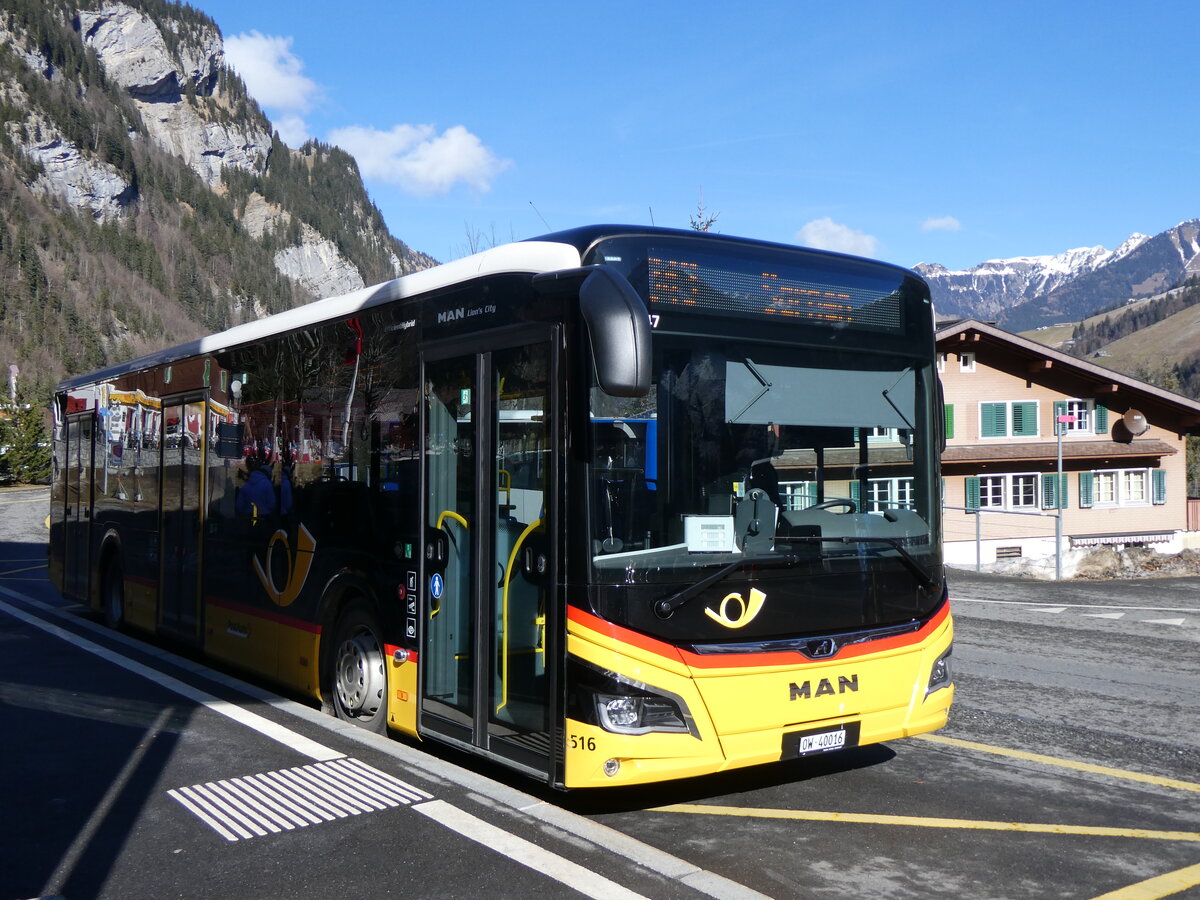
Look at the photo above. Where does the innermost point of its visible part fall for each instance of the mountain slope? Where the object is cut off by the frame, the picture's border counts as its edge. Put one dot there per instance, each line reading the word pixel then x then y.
pixel 1154 265
pixel 144 198
pixel 1033 291
pixel 987 290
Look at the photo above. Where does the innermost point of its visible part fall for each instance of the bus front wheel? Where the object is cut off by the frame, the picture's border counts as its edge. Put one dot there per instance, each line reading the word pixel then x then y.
pixel 359 670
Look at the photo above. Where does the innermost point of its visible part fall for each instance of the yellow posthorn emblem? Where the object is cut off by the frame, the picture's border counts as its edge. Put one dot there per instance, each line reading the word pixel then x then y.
pixel 746 611
pixel 297 567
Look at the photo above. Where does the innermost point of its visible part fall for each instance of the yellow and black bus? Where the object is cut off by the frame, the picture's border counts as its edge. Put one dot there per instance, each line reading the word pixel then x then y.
pixel 610 506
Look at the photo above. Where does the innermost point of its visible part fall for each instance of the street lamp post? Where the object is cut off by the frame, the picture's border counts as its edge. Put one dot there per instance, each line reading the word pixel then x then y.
pixel 1060 425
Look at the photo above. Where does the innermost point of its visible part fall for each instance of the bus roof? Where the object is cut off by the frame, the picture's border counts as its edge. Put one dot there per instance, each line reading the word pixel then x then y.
pixel 523 257
pixel 547 253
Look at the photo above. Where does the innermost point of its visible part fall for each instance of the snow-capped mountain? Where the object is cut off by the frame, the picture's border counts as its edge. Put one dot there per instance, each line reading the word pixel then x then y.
pixel 991 288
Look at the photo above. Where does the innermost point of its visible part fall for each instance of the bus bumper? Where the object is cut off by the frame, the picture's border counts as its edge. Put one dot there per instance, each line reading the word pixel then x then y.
pixel 762 711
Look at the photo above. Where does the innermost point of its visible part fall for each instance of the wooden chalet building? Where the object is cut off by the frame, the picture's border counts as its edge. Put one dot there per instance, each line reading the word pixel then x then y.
pixel 1123 450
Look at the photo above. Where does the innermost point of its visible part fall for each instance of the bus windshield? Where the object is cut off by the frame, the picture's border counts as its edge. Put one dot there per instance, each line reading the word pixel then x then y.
pixel 743 451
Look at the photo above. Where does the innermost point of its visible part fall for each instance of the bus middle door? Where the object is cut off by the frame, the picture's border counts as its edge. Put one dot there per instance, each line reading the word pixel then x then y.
pixel 489 480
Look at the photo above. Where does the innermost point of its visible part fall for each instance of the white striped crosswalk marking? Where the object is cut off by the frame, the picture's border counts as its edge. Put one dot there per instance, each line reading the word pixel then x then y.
pixel 274 802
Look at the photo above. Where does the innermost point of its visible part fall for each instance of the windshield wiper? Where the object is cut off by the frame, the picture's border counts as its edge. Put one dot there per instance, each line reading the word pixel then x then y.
pixel 910 561
pixel 667 605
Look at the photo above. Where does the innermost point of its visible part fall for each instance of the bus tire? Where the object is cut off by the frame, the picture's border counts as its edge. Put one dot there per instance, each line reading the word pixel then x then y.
pixel 112 596
pixel 359 670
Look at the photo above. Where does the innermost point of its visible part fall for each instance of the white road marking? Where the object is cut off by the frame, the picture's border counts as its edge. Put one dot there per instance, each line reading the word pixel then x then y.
pixel 524 852
pixel 1033 604
pixel 258 805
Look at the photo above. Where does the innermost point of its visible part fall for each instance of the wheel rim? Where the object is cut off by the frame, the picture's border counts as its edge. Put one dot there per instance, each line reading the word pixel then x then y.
pixel 360 678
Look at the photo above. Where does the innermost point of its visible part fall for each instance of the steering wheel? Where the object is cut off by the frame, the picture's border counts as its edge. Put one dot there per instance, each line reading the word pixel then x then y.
pixel 851 505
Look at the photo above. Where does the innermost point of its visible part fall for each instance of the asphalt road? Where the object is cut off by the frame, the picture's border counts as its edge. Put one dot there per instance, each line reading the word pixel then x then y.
pixel 1070 768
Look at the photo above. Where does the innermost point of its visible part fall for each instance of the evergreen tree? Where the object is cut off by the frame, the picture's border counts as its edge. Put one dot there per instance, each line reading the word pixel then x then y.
pixel 24 444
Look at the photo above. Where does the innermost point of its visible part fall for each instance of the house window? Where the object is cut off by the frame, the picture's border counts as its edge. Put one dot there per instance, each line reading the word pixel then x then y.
pixel 1123 487
pixel 941 365
pixel 1016 419
pixel 889 493
pixel 798 495
pixel 1133 486
pixel 1008 491
pixel 1090 417
pixel 966 362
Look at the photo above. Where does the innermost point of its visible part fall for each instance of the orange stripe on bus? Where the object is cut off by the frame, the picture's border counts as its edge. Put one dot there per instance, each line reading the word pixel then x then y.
pixel 751 660
pixel 267 615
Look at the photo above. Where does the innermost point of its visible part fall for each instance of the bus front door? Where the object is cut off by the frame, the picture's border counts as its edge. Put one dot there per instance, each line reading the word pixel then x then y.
pixel 77 518
pixel 490 619
pixel 181 511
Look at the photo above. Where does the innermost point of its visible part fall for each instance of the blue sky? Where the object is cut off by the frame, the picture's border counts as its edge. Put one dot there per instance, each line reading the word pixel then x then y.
pixel 948 132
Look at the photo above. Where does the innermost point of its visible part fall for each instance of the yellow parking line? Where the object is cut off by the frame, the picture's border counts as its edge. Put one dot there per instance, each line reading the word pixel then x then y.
pixel 32 500
pixel 1159 886
pixel 927 822
pixel 1062 763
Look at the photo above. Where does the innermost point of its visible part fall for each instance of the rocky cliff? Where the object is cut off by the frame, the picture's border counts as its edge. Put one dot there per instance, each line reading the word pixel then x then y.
pixel 145 197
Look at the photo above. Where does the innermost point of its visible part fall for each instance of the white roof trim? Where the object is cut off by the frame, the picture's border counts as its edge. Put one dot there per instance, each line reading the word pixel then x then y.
pixel 530 257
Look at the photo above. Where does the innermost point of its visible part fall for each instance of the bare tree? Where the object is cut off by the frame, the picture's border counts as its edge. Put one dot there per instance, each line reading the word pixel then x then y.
pixel 702 221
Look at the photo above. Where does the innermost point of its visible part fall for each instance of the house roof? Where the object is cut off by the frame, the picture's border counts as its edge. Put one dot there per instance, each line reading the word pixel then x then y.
pixel 1038 362
pixel 1047 450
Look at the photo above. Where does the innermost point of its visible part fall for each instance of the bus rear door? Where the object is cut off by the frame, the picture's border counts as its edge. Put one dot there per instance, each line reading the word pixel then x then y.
pixel 182 516
pixel 77 518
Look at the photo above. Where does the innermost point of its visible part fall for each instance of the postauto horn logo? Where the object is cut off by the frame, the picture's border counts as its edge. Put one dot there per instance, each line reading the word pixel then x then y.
pixel 745 611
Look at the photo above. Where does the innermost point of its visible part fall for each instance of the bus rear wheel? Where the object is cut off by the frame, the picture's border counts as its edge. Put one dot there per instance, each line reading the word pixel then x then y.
pixel 359 670
pixel 112 596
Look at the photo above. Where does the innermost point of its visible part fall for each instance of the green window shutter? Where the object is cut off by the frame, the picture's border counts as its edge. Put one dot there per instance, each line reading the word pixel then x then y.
pixel 972 492
pixel 1101 419
pixel 994 419
pixel 1060 409
pixel 1086 482
pixel 1054 492
pixel 1024 419
pixel 949 408
pixel 1160 487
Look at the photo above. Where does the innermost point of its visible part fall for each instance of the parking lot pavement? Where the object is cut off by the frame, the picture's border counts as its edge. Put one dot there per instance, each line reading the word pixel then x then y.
pixel 144 774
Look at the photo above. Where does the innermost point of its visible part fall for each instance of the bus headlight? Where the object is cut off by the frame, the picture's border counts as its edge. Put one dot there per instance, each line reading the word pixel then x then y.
pixel 939 675
pixel 624 714
pixel 621 705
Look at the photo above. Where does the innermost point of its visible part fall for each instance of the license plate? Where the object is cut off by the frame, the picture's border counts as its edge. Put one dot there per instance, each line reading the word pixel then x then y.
pixel 826 740
pixel 819 740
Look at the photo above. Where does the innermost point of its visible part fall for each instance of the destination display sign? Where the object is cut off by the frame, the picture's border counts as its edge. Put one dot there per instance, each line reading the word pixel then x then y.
pixel 746 286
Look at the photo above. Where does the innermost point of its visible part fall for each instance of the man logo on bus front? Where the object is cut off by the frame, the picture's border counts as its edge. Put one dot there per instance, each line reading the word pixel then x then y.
pixel 746 611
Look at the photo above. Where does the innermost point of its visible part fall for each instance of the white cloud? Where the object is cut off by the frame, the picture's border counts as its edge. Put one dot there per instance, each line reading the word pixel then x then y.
pixel 945 223
pixel 274 77
pixel 419 160
pixel 826 234
pixel 293 130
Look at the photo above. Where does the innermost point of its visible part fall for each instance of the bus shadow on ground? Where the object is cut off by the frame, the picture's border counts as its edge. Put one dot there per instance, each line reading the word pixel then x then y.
pixel 710 787
pixel 90 751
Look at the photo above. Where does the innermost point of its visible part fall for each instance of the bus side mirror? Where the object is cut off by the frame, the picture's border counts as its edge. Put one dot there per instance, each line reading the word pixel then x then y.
pixel 619 330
